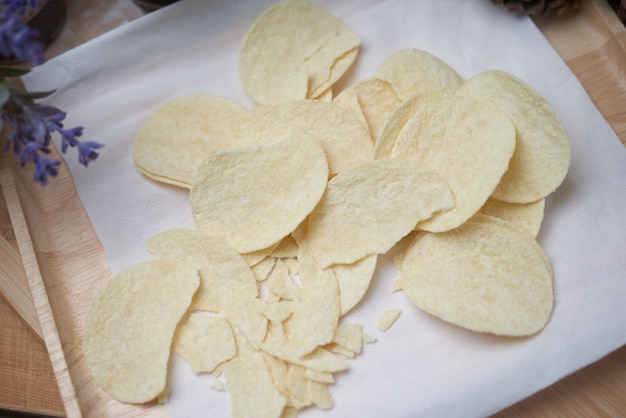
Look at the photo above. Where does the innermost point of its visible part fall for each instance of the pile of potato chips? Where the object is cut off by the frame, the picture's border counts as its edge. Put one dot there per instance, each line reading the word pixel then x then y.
pixel 295 200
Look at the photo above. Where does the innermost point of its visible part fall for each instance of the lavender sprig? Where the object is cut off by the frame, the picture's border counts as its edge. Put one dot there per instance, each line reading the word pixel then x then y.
pixel 31 125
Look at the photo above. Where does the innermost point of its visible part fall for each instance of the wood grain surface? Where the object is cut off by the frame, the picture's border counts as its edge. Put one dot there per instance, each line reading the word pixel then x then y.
pixel 592 42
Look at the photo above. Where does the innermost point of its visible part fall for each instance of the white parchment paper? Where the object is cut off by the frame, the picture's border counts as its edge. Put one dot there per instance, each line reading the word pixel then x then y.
pixel 421 366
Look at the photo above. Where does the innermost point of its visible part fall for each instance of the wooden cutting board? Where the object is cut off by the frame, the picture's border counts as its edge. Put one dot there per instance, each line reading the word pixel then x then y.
pixel 592 42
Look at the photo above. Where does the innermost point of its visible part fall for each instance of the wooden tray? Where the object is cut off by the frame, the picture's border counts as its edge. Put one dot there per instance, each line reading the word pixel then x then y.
pixel 593 44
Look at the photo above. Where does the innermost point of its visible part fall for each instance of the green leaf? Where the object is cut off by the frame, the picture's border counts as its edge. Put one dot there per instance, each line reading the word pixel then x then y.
pixel 11 71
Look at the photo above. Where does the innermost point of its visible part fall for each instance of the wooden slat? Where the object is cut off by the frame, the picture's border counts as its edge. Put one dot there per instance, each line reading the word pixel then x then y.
pixel 40 299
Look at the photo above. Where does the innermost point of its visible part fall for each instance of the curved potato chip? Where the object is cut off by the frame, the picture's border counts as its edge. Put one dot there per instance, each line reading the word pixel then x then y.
pixel 542 155
pixel 294 50
pixel 344 139
pixel 481 276
pixel 205 342
pixel 333 61
pixel 468 142
pixel 175 138
pixel 253 197
pixel 222 269
pixel 372 101
pixel 386 139
pixel 131 326
pixel 227 285
pixel 492 220
pixel 411 71
pixel 354 280
pixel 525 215
pixel 368 208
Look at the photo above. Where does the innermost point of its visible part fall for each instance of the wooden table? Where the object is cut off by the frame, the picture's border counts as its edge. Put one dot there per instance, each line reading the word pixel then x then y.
pixel 592 42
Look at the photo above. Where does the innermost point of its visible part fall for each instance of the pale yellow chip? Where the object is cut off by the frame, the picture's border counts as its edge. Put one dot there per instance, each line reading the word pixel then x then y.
pixel 527 216
pixel 251 388
pixel 294 50
pixel 253 197
pixel 372 101
pixel 482 276
pixel 222 269
pixel 227 285
pixel 319 360
pixel 131 325
pixel 368 208
pixel 354 281
pixel 468 142
pixel 327 64
pixel 316 308
pixel 387 318
pixel 255 257
pixel 287 248
pixel 542 155
pixel 322 377
pixel 349 336
pixel 263 268
pixel 344 139
pixel 281 283
pixel 386 140
pixel 205 342
pixel 174 139
pixel 411 71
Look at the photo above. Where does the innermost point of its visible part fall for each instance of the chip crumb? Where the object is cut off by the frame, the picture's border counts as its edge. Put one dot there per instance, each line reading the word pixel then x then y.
pixel 163 397
pixel 218 385
pixel 387 319
pixel 369 339
pixel 397 285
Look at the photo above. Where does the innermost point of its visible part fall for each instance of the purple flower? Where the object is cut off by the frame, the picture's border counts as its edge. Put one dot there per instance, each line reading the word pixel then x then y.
pixel 17 6
pixel 19 42
pixel 45 167
pixel 31 125
pixel 31 128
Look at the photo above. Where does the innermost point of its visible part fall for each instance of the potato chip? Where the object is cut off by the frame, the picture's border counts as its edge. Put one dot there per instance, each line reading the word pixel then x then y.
pixel 205 341
pixel 468 142
pixel 131 325
pixel 349 336
pixel 278 311
pixel 227 285
pixel 322 377
pixel 386 140
pixel 251 388
pixel 368 208
pixel 254 257
pixel 515 229
pixel 525 215
pixel 353 281
pixel 218 385
pixel 411 71
pixel 542 155
pixel 372 101
pixel 287 248
pixel 294 50
pixel 174 139
pixel 319 360
pixel 327 64
pixel 263 268
pixel 281 283
pixel 316 309
pixel 222 269
pixel 254 197
pixel 387 318
pixel 344 139
pixel 481 276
